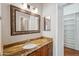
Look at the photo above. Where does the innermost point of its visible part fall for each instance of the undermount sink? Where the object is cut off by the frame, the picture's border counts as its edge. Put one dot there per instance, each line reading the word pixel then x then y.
pixel 29 46
pixel 34 44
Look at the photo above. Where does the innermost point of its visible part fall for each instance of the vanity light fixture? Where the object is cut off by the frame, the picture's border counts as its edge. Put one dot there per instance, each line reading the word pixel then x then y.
pixel 28 7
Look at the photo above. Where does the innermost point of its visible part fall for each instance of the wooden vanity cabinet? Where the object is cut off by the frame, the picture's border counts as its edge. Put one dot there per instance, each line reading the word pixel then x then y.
pixel 43 51
pixel 50 49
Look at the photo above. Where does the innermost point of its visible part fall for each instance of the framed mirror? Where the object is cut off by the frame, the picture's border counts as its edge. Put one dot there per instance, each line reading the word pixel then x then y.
pixel 23 22
pixel 47 23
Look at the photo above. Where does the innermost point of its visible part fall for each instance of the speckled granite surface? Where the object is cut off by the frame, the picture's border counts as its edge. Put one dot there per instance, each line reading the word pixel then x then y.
pixel 18 50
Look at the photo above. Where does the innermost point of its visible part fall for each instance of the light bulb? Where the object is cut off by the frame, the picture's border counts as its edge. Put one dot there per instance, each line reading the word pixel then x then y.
pixel 48 17
pixel 36 10
pixel 24 5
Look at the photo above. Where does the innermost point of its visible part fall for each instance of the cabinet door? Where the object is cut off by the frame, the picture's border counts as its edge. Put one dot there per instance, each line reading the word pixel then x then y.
pixel 36 53
pixel 50 49
pixel 43 51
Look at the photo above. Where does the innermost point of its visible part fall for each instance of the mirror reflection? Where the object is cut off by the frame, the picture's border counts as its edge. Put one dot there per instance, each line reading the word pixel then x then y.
pixel 33 23
pixel 22 21
pixel 25 22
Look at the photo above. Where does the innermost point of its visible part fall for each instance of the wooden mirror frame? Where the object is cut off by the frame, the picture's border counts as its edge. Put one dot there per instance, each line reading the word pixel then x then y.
pixel 13 10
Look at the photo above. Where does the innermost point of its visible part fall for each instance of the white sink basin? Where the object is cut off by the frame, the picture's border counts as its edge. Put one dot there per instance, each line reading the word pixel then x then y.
pixel 29 46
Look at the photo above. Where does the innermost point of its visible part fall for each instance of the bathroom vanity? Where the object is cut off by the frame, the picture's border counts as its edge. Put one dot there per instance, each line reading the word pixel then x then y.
pixel 43 48
pixel 26 22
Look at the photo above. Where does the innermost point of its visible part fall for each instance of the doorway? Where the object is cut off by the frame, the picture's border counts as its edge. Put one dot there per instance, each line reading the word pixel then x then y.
pixel 71 29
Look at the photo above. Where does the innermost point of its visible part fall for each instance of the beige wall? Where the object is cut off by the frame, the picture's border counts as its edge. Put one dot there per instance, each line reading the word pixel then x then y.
pixel 6 37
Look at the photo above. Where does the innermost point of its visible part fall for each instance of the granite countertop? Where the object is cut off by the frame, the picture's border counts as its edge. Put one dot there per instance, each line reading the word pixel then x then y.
pixel 18 50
